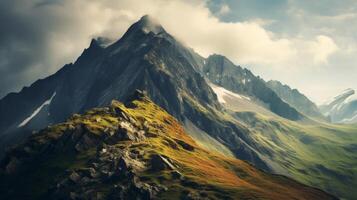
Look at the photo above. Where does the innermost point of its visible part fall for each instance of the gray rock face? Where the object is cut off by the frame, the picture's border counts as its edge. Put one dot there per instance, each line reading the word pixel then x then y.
pixel 297 100
pixel 159 163
pixel 145 58
pixel 111 166
pixel 221 71
pixel 149 59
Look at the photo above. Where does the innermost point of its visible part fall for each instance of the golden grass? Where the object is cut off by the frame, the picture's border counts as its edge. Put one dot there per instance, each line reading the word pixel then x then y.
pixel 238 178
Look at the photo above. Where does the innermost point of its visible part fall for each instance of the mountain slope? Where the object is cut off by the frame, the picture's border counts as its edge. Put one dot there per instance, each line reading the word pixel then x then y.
pixel 133 150
pixel 341 108
pixel 297 100
pixel 145 58
pixel 148 58
pixel 141 59
pixel 222 72
pixel 315 153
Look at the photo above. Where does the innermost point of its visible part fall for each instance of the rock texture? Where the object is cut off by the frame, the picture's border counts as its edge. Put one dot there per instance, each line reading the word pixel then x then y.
pixel 222 72
pixel 297 100
pixel 133 150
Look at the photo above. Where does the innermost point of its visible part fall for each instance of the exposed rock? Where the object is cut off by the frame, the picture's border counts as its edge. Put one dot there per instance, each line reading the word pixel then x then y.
pixel 13 165
pixel 92 172
pixel 122 164
pixel 184 145
pixel 74 177
pixel 159 163
pixel 176 174
pixel 126 131
pixel 85 143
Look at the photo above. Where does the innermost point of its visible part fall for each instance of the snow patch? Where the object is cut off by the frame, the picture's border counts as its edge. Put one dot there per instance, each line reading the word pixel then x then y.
pixel 350 120
pixel 222 92
pixel 348 93
pixel 47 102
pixel 351 98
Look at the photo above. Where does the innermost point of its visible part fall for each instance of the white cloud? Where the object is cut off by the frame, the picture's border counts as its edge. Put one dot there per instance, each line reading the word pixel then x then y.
pixel 322 48
pixel 192 23
pixel 223 10
pixel 70 25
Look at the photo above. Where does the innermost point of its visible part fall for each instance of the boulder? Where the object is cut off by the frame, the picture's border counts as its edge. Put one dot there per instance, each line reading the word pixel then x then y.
pixel 185 145
pixel 74 177
pixel 159 163
pixel 123 164
pixel 86 142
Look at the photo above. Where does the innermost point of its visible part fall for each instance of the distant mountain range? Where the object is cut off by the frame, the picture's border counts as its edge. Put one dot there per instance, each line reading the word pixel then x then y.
pixel 341 108
pixel 219 70
pixel 294 98
pixel 224 108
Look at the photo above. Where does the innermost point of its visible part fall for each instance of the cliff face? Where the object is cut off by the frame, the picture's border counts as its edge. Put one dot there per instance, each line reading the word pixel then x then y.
pixel 297 100
pixel 222 72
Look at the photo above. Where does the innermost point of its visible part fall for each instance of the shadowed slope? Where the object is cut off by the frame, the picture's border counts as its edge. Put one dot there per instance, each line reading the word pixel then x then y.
pixel 133 150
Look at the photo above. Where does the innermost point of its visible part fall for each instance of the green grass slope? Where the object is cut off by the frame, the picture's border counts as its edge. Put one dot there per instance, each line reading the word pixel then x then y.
pixel 318 154
pixel 134 150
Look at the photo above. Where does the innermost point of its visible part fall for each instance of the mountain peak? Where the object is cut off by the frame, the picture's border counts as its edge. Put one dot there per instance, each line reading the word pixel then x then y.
pixel 149 24
pixel 94 44
pixel 348 91
pixel 340 97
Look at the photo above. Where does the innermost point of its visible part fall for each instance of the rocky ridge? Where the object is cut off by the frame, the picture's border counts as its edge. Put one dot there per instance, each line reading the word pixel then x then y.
pixel 133 150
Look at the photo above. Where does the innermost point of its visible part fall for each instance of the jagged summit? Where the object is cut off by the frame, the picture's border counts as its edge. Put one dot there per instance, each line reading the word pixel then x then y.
pixel 296 99
pixel 93 43
pixel 343 94
pixel 346 92
pixel 340 97
pixel 142 33
pixel 176 79
pixel 342 108
pixel 149 24
pixel 146 25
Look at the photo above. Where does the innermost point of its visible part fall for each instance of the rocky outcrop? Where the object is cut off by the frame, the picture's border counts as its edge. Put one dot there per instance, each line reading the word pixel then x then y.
pixel 115 167
pixel 135 151
pixel 222 72
pixel 112 171
pixel 295 99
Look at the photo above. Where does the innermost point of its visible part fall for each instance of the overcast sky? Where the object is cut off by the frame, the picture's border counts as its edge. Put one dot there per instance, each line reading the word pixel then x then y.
pixel 309 45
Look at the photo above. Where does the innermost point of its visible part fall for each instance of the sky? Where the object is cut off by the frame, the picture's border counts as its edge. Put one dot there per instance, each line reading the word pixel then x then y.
pixel 308 44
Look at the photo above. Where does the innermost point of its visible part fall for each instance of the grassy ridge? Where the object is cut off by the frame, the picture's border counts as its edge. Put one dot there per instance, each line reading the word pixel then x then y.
pixel 194 172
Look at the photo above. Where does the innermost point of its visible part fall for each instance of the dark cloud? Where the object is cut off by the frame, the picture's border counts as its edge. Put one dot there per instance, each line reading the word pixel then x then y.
pixel 29 31
pixel 37 37
pixel 22 45
pixel 48 3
